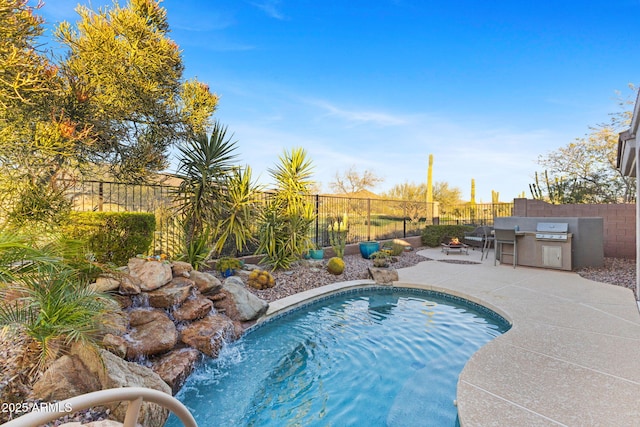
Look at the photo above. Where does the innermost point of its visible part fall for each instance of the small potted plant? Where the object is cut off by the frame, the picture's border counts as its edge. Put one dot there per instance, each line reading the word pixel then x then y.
pixel 316 253
pixel 228 266
pixel 368 248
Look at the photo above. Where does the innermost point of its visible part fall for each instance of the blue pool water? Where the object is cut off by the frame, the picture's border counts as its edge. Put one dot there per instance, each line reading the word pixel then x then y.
pixel 375 358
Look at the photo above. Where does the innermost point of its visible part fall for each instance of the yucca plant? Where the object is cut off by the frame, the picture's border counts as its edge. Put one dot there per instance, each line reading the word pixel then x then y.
pixel 239 209
pixel 288 216
pixel 274 237
pixel 205 163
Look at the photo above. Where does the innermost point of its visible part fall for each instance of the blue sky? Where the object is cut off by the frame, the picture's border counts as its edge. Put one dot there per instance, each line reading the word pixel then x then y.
pixel 484 86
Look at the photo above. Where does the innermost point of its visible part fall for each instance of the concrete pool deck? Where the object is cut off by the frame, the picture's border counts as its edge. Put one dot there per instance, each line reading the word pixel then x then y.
pixel 572 357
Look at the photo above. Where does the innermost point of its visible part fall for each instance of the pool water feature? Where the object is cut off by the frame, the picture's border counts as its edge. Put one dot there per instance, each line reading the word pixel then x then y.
pixel 375 357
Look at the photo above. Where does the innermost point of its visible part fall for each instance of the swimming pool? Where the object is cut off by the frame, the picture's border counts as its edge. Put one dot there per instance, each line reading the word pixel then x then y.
pixel 368 357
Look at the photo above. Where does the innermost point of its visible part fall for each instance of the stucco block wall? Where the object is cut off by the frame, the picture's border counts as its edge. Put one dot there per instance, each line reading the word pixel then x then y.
pixel 619 221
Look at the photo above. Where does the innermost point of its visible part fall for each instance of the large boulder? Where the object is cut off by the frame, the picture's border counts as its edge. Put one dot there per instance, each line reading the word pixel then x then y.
pixel 105 284
pixel 206 283
pixel 152 274
pixel 383 276
pixel 114 322
pixel 86 369
pixel 172 294
pixel 66 377
pixel 152 332
pixel 117 372
pixel 247 305
pixel 175 366
pixel 181 269
pixel 124 301
pixel 193 308
pixel 209 334
pixel 115 344
pixel 129 285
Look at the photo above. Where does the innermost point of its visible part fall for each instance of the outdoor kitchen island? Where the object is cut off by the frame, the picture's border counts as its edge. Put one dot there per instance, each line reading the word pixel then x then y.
pixel 555 243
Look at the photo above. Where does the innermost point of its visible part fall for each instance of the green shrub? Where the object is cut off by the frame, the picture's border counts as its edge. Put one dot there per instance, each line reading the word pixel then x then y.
pixel 381 259
pixel 112 237
pixel 432 235
pixel 394 249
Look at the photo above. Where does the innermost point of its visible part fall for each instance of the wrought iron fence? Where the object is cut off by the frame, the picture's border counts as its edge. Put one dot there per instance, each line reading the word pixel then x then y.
pixel 368 219
pixel 474 214
pixel 104 196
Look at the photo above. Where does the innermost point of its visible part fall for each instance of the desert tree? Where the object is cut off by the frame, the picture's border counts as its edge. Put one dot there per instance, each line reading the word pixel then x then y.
pixel 584 170
pixel 124 81
pixel 116 98
pixel 353 181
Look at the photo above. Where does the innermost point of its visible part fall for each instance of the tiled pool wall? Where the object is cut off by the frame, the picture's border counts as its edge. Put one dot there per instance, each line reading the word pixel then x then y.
pixel 501 321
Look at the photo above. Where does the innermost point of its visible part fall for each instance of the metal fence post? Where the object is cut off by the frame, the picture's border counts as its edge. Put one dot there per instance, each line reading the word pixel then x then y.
pixel 369 219
pixel 100 196
pixel 317 218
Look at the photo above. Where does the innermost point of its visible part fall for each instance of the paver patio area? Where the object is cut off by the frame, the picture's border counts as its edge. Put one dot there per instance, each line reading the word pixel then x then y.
pixel 571 358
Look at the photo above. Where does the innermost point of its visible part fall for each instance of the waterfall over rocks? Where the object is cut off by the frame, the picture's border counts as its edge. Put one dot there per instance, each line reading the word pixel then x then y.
pixel 167 320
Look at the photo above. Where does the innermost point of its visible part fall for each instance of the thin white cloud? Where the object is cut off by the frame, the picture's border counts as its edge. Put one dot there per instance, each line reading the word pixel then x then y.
pixel 270 8
pixel 498 159
pixel 394 145
pixel 357 117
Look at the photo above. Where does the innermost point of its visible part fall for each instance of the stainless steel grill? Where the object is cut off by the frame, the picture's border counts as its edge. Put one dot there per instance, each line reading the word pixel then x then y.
pixel 553 231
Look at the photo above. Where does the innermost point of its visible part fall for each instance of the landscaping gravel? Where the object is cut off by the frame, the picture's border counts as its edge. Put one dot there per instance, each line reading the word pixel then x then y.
pixel 312 274
pixel 308 274
pixel 616 271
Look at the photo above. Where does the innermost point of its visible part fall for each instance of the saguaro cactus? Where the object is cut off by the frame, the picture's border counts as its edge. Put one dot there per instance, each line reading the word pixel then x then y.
pixel 430 180
pixel 473 191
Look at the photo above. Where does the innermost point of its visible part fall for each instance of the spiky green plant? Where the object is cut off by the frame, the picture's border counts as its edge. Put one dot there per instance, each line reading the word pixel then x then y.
pixel 205 163
pixel 197 250
pixel 338 231
pixel 45 299
pixel 286 219
pixel 239 207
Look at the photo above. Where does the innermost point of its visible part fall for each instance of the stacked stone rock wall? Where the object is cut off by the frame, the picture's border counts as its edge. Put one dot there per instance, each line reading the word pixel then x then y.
pixel 169 315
